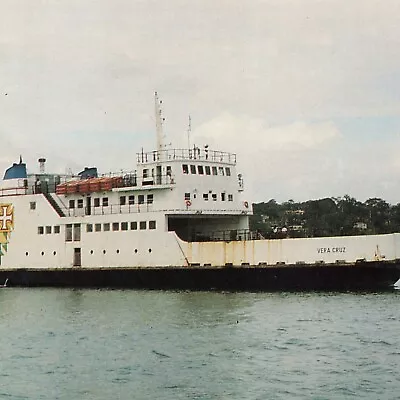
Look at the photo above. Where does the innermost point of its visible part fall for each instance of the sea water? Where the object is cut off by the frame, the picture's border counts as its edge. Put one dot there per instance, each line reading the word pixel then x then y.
pixel 128 344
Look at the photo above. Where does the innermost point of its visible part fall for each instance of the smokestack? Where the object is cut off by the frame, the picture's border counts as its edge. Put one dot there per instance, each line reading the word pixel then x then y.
pixel 42 162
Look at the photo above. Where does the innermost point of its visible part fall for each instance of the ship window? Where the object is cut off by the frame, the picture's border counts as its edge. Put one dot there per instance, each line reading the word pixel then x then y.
pixel 230 197
pixel 187 196
pixel 80 203
pixel 205 196
pixel 106 227
pixel 105 201
pixel 72 204
pixel 115 226
pixel 227 171
pixel 221 171
pixel 208 170
pixel 149 199
pixel 57 229
pixel 169 170
pixel 223 196
pixel 122 200
pixel 97 227
pixel 193 169
pixel 200 170
pixel 185 168
pixel 214 196
pixel 145 173
pixel 48 230
pixel 124 226
pixel 40 230
pixel 77 232
pixel 68 233
pixel 96 202
pixel 134 226
pixel 152 224
pixel 142 225
pixel 89 227
pixel 32 205
pixel 141 198
pixel 214 171
pixel 131 200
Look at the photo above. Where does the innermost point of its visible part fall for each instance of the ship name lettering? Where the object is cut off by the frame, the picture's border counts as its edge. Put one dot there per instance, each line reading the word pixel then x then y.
pixel 324 250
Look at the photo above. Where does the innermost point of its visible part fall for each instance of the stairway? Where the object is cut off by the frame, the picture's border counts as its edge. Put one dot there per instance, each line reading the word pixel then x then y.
pixel 54 204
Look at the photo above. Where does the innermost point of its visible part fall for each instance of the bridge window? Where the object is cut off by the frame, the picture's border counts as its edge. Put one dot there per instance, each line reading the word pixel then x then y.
pixel 80 203
pixel 106 227
pixel 48 230
pixel 230 197
pixel 227 171
pixel 72 204
pixel 97 227
pixel 142 225
pixel 221 171
pixel 124 226
pixel 57 229
pixel 185 168
pixel 149 199
pixel 89 227
pixel 131 200
pixel 40 230
pixel 193 169
pixel 134 226
pixel 105 201
pixel 145 173
pixel 141 198
pixel 208 170
pixel 115 226
pixel 122 200
pixel 32 205
pixel 200 170
pixel 96 202
pixel 214 171
pixel 223 196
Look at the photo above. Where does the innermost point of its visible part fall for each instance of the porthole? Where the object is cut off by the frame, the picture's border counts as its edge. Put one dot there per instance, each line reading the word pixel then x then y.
pixel 91 251
pixel 104 252
pixel 117 251
pixel 54 253
pixel 135 251
pixel 42 253
pixel 26 253
pixel 149 250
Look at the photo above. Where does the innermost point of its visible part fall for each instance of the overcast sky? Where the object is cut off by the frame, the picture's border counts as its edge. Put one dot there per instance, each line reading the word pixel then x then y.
pixel 306 92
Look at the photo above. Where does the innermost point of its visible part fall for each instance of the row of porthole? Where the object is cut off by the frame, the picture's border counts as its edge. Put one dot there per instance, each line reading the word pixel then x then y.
pixel 91 252
pixel 117 251
pixel 42 253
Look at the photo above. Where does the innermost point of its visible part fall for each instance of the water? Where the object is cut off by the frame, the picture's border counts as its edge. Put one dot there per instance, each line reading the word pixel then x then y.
pixel 105 344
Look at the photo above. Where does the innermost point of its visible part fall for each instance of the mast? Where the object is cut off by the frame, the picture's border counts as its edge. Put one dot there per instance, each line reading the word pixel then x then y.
pixel 189 131
pixel 159 123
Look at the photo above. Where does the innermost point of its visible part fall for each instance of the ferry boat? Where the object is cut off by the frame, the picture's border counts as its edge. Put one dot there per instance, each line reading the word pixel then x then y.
pixel 178 221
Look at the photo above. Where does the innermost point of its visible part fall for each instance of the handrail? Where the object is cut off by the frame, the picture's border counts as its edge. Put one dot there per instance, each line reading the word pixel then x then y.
pixel 186 155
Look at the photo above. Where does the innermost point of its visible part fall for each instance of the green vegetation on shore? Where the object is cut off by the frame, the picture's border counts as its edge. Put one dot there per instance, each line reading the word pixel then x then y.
pixel 336 216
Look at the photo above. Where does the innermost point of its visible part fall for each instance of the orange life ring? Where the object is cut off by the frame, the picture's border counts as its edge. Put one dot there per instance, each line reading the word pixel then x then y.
pixel 188 203
pixel 246 204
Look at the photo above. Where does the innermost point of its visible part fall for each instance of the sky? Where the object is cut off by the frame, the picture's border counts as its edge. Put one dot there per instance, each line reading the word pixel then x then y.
pixel 305 92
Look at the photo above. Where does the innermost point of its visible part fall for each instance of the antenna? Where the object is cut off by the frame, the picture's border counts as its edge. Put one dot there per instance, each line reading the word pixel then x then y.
pixel 189 131
pixel 159 123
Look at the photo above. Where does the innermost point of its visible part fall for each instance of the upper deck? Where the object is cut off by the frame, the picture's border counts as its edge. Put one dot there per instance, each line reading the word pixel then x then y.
pixel 195 153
